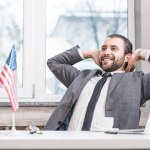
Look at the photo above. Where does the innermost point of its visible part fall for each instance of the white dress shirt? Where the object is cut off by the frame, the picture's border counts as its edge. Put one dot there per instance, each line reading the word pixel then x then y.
pixel 78 115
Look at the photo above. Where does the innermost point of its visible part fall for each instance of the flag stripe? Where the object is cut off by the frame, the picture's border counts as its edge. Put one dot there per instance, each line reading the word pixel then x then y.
pixel 1 81
pixel 7 88
pixel 6 75
pixel 8 79
pixel 9 84
pixel 10 91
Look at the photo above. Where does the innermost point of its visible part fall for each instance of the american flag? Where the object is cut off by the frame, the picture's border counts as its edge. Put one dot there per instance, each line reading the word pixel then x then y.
pixel 8 78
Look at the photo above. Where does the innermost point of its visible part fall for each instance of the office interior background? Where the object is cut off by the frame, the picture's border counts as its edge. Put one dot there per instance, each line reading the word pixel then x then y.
pixel 41 29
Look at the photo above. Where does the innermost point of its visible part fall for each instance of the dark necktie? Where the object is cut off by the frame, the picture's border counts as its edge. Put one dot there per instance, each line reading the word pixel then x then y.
pixel 92 103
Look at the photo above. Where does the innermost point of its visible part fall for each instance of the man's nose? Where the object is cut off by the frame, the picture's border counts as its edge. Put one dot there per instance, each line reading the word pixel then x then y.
pixel 107 51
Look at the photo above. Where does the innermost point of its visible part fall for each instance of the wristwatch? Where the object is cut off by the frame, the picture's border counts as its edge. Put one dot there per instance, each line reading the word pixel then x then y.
pixel 139 53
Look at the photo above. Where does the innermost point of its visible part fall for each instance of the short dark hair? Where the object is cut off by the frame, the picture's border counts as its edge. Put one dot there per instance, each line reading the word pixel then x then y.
pixel 127 43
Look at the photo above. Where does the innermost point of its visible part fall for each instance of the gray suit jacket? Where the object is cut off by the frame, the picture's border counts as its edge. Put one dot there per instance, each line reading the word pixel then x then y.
pixel 126 92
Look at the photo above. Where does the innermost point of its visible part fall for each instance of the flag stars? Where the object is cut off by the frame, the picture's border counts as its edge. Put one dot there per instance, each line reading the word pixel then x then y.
pixel 11 59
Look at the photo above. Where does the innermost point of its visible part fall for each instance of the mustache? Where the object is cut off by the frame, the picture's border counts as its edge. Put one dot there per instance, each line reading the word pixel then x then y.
pixel 107 57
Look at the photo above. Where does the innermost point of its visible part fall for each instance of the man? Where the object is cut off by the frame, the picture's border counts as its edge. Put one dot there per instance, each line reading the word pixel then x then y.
pixel 121 95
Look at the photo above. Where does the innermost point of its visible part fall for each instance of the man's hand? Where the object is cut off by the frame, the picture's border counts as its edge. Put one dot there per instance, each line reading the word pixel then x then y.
pixel 95 57
pixel 94 54
pixel 132 62
pixel 137 55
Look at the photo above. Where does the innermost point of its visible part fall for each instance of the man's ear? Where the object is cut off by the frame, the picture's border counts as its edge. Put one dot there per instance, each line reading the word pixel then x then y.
pixel 127 57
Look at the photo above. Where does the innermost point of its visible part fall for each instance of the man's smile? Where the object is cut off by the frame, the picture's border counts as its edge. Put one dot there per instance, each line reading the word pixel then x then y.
pixel 106 59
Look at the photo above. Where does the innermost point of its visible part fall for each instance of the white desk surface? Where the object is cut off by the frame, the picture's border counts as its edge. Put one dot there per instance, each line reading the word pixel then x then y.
pixel 72 140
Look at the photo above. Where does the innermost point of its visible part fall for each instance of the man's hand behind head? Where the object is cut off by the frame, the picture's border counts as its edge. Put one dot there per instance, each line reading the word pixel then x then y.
pixel 135 58
pixel 94 54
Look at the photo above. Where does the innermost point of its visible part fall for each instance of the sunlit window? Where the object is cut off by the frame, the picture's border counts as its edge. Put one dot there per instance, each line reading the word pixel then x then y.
pixel 82 22
pixel 11 24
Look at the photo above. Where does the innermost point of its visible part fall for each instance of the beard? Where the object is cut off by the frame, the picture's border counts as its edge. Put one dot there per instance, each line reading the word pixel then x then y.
pixel 113 66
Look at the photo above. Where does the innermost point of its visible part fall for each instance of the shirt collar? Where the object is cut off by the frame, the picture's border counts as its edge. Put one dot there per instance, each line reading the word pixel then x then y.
pixel 118 71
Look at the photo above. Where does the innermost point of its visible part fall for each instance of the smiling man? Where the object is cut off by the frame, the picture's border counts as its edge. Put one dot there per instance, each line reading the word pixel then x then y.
pixel 93 95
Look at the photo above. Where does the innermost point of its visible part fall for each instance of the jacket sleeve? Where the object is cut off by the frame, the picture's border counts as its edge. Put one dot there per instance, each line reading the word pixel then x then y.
pixel 146 87
pixel 61 65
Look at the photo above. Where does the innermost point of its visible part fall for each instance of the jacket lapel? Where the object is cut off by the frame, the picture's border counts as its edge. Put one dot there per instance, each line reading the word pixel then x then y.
pixel 113 83
pixel 89 76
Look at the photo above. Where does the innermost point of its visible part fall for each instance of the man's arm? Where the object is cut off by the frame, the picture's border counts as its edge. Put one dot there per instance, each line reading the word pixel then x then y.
pixel 61 65
pixel 94 54
pixel 141 54
pixel 138 54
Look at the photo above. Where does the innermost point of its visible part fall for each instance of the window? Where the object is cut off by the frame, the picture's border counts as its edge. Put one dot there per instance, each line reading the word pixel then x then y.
pixel 11 24
pixel 11 28
pixel 41 29
pixel 85 23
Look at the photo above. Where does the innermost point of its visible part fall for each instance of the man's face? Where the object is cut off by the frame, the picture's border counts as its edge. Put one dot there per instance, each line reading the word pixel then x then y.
pixel 112 57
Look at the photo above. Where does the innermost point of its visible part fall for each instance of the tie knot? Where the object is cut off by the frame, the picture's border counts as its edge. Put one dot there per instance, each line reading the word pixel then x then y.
pixel 107 74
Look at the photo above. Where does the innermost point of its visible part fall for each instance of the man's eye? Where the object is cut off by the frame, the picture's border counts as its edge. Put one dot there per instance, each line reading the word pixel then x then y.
pixel 113 48
pixel 104 48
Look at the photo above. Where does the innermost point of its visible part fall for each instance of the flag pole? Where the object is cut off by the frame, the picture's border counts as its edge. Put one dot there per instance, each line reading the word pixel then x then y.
pixel 13 128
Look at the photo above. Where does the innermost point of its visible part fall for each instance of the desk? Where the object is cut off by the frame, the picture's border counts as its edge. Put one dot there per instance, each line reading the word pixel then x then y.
pixel 72 140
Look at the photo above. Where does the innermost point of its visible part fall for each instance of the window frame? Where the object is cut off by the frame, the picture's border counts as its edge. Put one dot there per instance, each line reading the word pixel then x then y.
pixel 26 91
pixel 34 52
pixel 131 35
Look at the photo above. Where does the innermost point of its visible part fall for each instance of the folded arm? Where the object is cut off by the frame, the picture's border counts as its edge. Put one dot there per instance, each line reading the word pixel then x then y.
pixel 141 54
pixel 61 65
pixel 138 54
